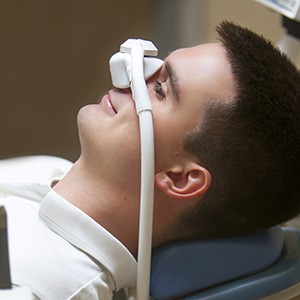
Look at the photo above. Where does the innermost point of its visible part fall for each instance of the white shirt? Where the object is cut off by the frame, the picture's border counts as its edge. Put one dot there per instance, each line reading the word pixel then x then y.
pixel 55 248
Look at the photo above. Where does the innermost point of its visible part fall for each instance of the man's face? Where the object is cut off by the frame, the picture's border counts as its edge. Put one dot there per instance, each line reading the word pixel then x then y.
pixel 109 131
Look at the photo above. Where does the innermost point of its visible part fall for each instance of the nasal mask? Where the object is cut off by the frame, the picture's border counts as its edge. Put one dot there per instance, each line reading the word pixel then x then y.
pixel 131 67
pixel 125 67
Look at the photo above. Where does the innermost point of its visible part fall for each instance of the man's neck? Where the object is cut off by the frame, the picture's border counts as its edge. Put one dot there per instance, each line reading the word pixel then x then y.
pixel 116 210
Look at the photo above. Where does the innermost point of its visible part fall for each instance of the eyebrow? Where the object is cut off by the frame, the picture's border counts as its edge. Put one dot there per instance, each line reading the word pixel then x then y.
pixel 173 80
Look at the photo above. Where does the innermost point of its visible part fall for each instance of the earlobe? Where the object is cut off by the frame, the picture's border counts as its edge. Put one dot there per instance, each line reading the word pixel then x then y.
pixel 190 182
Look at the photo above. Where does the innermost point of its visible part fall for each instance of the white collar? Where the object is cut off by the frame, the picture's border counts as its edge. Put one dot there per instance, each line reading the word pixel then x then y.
pixel 83 232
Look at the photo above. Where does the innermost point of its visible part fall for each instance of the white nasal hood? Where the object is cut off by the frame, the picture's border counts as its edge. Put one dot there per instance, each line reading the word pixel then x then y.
pixel 120 64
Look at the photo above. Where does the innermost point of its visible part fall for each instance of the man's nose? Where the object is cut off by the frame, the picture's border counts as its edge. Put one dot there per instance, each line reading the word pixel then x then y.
pixel 122 93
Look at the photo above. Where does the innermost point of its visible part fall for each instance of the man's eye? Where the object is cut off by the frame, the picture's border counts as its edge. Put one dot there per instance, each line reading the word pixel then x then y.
pixel 159 90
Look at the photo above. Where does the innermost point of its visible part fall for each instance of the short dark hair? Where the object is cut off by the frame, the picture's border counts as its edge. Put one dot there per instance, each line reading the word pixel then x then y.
pixel 251 147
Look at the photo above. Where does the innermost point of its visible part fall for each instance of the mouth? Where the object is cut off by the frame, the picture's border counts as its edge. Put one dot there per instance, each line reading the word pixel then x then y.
pixel 107 102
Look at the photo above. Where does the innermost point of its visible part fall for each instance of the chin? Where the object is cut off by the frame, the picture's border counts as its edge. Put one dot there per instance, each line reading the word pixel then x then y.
pixel 84 114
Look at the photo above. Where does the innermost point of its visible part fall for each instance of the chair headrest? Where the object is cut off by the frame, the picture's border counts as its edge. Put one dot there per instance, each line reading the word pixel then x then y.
pixel 185 267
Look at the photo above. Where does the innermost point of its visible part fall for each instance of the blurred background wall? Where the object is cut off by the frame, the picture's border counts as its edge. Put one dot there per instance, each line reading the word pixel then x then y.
pixel 54 57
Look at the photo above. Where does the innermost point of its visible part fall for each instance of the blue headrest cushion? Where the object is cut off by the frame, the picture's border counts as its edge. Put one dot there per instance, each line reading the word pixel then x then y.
pixel 185 267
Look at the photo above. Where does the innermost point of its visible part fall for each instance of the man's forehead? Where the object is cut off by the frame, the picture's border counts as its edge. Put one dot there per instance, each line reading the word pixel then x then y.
pixel 195 48
pixel 208 54
pixel 205 66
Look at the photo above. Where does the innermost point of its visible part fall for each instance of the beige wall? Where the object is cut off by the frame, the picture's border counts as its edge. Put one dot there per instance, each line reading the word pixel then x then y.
pixel 245 12
pixel 248 13
pixel 54 59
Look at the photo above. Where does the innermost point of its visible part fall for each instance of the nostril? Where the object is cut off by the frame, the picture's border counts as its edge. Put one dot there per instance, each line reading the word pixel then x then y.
pixel 123 91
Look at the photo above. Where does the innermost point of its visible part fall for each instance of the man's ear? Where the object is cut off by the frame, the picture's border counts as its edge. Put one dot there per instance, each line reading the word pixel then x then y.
pixel 184 182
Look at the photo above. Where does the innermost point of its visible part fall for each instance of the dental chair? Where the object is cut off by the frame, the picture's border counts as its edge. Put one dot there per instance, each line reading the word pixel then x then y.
pixel 244 267
pixel 265 265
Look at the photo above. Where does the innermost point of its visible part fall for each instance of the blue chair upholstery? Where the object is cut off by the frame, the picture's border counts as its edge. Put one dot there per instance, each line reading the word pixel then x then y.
pixel 184 268
pixel 282 277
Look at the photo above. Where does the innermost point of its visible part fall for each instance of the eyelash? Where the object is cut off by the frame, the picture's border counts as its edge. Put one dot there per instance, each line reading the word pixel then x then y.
pixel 158 90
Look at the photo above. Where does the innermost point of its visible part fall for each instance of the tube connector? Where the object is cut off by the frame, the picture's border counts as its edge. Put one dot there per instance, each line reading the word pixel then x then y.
pixel 148 46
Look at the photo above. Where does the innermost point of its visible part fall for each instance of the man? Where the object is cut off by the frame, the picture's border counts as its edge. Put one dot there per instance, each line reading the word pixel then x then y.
pixel 227 139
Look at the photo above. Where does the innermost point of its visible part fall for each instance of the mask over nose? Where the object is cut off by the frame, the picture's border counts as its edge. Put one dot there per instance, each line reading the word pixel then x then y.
pixel 121 63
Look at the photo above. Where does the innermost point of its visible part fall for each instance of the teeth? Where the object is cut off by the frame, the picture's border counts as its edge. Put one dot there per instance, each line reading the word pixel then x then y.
pixel 110 105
